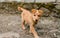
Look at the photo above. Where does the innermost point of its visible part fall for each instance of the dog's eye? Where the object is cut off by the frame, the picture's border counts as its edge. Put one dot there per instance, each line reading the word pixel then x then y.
pixel 34 15
pixel 38 15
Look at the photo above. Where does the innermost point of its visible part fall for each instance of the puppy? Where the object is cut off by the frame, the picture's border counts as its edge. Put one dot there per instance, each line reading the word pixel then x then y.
pixel 30 18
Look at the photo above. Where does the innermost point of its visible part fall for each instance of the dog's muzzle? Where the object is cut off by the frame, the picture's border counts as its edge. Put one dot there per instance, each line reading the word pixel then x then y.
pixel 36 21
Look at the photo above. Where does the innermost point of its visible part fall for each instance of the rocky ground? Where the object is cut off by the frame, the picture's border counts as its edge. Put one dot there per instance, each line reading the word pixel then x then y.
pixel 10 25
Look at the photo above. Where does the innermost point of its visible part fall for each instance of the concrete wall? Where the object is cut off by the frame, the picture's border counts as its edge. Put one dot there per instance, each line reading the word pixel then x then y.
pixel 58 0
pixel 45 0
pixel 9 0
pixel 30 0
pixel 38 0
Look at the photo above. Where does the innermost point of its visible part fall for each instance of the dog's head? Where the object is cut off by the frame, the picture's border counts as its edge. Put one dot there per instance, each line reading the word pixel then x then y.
pixel 36 14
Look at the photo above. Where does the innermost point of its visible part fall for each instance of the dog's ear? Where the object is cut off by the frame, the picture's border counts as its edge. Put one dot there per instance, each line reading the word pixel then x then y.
pixel 33 10
pixel 40 11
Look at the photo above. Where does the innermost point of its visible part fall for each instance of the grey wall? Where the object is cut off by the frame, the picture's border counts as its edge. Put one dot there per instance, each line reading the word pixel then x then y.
pixel 27 0
pixel 1 0
pixel 38 0
pixel 30 0
pixel 45 0
pixel 58 0
pixel 9 0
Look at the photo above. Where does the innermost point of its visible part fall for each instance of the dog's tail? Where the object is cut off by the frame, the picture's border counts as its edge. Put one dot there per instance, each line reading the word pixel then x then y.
pixel 20 8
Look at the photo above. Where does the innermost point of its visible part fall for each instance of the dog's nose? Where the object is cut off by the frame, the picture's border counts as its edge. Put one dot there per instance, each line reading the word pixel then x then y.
pixel 36 20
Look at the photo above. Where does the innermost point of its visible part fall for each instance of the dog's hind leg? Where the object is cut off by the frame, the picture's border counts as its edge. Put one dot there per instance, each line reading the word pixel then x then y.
pixel 23 21
pixel 23 26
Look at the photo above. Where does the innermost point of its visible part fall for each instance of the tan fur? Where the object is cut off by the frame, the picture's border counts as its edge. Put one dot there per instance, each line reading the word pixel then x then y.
pixel 30 18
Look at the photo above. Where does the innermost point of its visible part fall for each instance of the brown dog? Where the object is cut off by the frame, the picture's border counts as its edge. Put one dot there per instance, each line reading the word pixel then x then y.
pixel 30 18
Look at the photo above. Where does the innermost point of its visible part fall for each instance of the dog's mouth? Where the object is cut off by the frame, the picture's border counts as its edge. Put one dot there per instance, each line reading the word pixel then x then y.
pixel 36 21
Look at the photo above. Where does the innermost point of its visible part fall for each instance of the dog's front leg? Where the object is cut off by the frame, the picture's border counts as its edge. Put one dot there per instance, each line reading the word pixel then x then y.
pixel 32 30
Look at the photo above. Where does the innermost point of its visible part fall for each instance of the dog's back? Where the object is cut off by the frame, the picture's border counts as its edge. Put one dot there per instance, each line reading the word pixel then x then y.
pixel 26 15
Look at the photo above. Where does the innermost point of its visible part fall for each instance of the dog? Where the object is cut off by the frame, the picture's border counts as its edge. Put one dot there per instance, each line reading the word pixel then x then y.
pixel 30 17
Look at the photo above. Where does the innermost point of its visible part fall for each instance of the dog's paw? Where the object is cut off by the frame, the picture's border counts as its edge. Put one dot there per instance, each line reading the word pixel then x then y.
pixel 23 28
pixel 36 36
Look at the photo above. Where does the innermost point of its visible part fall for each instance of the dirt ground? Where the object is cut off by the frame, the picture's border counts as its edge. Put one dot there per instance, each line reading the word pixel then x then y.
pixel 48 25
pixel 10 27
